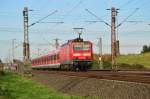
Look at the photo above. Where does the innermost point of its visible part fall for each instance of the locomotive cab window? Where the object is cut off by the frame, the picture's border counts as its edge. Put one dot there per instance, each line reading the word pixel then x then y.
pixel 83 46
pixel 86 46
pixel 77 47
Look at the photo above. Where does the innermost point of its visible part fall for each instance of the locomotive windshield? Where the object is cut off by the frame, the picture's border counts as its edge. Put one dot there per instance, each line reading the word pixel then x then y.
pixel 81 46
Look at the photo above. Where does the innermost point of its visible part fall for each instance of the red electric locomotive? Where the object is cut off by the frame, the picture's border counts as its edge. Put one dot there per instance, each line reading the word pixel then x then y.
pixel 74 55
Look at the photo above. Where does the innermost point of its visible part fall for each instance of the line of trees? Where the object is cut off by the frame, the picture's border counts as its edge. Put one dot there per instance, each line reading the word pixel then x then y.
pixel 145 49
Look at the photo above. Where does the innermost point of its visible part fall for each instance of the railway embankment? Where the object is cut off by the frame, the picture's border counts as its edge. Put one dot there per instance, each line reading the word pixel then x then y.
pixel 14 86
pixel 99 88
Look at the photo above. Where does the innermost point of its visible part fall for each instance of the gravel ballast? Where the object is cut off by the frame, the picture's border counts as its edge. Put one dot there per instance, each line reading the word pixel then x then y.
pixel 100 88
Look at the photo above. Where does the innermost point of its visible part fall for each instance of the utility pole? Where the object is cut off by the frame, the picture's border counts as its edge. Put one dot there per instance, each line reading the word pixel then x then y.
pixel 100 52
pixel 113 37
pixel 9 55
pixel 114 43
pixel 56 43
pixel 13 49
pixel 39 52
pixel 26 46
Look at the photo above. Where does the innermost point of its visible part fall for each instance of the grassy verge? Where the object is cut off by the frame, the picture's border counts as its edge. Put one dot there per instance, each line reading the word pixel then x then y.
pixel 105 65
pixel 134 60
pixel 16 87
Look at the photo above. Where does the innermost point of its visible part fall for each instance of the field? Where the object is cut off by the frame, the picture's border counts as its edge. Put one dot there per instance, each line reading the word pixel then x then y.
pixel 141 59
pixel 17 87
pixel 132 61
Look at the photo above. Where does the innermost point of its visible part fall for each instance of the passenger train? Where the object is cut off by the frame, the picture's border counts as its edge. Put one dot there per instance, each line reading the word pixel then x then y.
pixel 74 55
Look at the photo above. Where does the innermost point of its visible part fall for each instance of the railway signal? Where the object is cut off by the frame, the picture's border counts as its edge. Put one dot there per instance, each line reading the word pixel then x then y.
pixel 100 53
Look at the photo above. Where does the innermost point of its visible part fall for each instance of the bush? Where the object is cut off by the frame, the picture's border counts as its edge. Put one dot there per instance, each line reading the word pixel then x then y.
pixel 107 65
pixel 138 66
pixel 128 66
pixel 2 73
pixel 122 66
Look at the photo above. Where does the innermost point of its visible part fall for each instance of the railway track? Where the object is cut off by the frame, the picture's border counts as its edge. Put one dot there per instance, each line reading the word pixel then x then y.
pixel 130 76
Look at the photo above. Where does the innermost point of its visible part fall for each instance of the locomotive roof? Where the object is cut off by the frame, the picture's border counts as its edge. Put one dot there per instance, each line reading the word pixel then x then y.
pixel 74 40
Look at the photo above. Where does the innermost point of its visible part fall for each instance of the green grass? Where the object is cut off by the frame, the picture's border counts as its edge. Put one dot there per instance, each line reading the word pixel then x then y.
pixel 13 86
pixel 141 59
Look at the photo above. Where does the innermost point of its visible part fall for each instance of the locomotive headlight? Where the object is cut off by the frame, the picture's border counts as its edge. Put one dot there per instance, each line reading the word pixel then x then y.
pixel 86 54
pixel 77 54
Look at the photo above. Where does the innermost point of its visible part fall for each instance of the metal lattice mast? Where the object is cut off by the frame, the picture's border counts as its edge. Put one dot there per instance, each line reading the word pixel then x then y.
pixel 26 49
pixel 56 43
pixel 113 37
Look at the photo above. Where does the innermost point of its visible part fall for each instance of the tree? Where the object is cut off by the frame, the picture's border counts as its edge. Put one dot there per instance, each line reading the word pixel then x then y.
pixel 1 68
pixel 149 48
pixel 145 49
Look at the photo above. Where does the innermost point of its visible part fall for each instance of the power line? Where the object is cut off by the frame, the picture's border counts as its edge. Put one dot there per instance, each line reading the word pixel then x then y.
pixel 53 22
pixel 127 17
pixel 126 3
pixel 97 17
pixel 67 14
pixel 38 21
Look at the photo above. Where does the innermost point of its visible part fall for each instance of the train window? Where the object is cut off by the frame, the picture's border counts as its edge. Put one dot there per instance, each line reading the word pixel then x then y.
pixel 77 47
pixel 45 59
pixel 40 61
pixel 86 46
pixel 54 57
pixel 82 46
pixel 57 56
pixel 49 58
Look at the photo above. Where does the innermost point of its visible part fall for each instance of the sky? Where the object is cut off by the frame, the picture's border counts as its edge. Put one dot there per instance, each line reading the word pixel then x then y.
pixel 132 35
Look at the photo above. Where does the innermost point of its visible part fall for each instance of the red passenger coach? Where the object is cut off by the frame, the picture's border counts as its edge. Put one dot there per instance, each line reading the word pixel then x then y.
pixel 51 60
pixel 74 55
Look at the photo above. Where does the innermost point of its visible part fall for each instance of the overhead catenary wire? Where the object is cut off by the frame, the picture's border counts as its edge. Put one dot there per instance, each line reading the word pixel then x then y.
pixel 73 8
pixel 127 17
pixel 97 17
pixel 43 18
pixel 126 3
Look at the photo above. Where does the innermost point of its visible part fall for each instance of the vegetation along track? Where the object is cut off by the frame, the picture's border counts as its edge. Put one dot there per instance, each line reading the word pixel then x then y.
pixel 130 76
